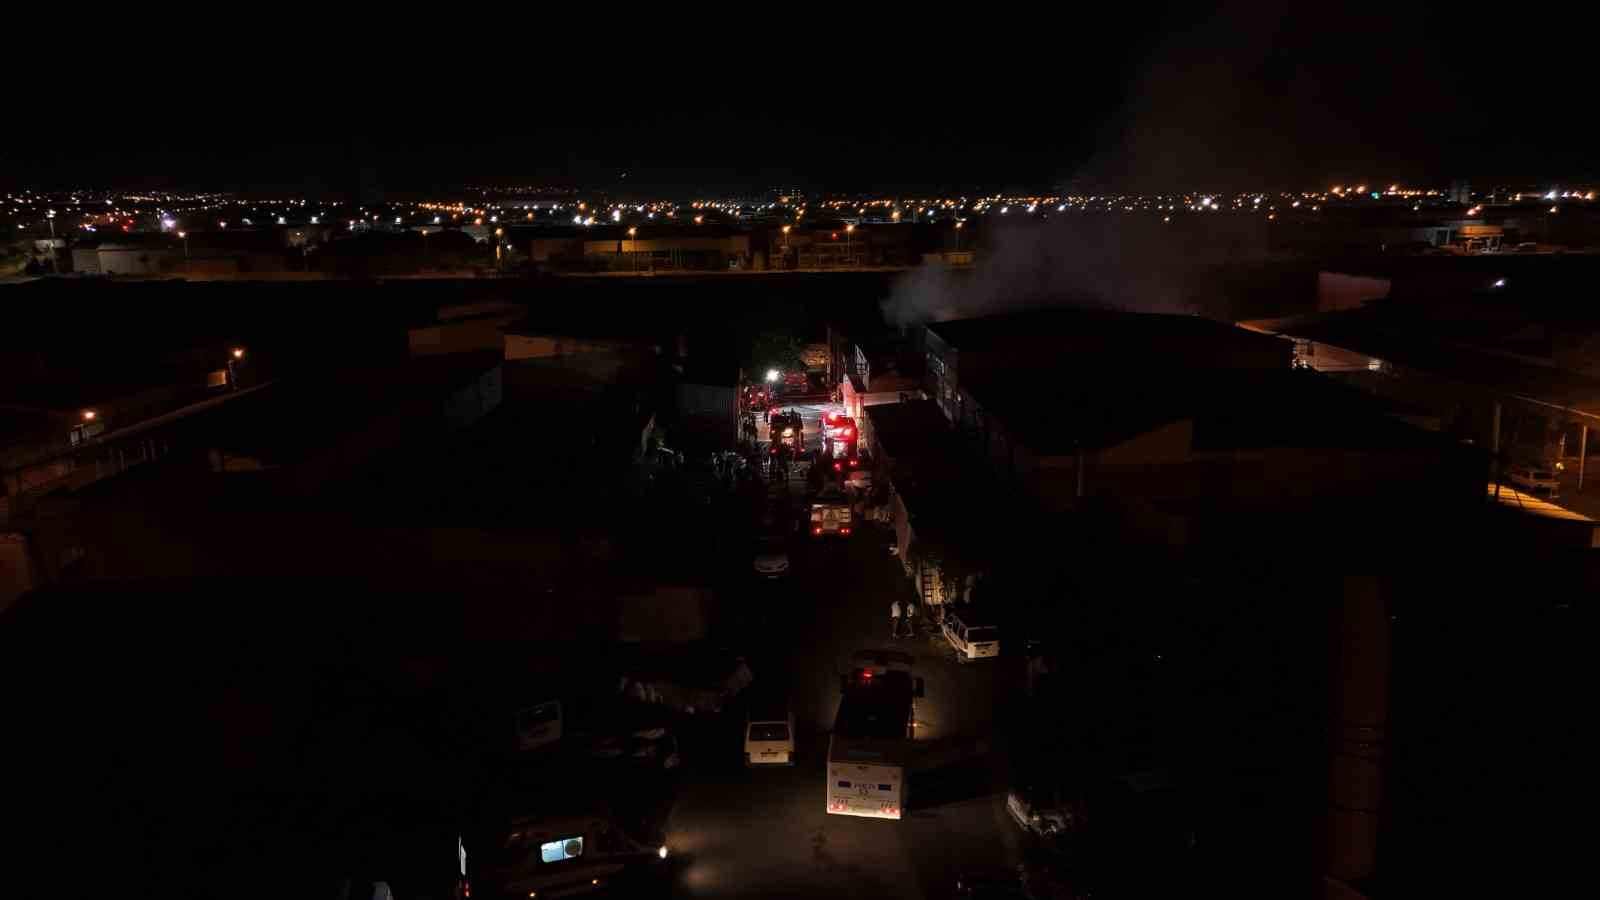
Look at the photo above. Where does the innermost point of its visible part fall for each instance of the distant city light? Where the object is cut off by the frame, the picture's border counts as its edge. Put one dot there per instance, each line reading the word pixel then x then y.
pixel 1499 282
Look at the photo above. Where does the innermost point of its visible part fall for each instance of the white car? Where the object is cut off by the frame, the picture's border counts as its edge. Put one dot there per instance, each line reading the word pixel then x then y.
pixel 769 736
pixel 1035 813
pixel 1536 480
pixel 969 631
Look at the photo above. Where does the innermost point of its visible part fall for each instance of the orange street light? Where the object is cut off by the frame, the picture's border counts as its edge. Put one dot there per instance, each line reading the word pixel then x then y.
pixel 88 415
pixel 238 353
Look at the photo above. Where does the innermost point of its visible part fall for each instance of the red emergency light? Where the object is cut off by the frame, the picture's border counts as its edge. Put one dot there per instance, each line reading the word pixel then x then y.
pixel 866 674
pixel 837 467
pixel 852 462
pixel 816 531
pixel 844 531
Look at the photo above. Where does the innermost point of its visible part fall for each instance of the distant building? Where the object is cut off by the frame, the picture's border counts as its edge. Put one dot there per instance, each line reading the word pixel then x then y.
pixel 650 249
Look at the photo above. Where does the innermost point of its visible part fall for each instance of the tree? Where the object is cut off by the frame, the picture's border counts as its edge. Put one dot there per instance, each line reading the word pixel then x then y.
pixel 777 350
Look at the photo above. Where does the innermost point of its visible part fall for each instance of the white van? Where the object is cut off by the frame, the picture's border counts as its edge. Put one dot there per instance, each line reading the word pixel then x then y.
pixel 971 633
pixel 769 736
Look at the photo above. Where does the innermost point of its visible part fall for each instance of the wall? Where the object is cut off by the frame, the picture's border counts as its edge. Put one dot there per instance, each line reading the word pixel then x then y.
pixel 475 400
pixel 542 346
pixel 458 337
pixel 1328 358
pixel 708 415
pixel 16 573
pixel 733 245
pixel 1336 290
pixel 135 260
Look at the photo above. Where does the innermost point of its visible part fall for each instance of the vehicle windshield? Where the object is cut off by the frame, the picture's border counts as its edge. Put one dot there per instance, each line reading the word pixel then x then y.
pixel 565 848
pixel 983 634
pixel 542 714
pixel 769 731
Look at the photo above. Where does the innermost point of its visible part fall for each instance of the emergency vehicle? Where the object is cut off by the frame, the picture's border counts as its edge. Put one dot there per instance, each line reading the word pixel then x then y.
pixel 869 749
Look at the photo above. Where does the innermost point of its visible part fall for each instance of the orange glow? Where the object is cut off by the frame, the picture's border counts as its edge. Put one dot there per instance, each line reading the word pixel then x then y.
pixel 238 353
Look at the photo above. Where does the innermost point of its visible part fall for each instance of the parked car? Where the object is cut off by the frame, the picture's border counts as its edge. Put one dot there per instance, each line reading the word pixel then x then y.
pixel 972 633
pixel 1042 809
pixel 651 748
pixel 769 735
pixel 1536 480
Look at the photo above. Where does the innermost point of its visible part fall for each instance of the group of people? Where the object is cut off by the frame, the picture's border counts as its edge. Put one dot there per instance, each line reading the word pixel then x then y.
pixel 902 616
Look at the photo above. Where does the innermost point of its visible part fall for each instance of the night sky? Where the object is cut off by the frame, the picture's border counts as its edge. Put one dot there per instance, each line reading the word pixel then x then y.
pixel 1234 95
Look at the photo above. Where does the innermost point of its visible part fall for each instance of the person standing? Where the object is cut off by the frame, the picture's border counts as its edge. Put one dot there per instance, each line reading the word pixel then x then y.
pixel 911 619
pixel 894 619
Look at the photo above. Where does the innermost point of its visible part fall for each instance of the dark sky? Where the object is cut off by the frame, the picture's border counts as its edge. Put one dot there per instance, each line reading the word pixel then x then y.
pixel 1203 96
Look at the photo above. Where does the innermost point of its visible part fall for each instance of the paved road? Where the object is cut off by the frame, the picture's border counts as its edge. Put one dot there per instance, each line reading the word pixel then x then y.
pixel 743 833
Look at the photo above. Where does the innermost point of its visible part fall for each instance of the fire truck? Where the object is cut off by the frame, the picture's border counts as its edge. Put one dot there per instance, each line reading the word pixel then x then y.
pixel 840 437
pixel 787 429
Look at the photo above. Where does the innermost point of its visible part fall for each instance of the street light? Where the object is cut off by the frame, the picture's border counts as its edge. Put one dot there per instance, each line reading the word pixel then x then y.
pixel 959 223
pixel 848 257
pixel 50 216
pixel 184 236
pixel 772 374
pixel 234 356
pixel 88 415
pixel 633 255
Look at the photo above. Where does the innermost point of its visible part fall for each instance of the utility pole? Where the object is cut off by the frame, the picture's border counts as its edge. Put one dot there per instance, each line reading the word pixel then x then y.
pixel 1494 447
pixel 1583 453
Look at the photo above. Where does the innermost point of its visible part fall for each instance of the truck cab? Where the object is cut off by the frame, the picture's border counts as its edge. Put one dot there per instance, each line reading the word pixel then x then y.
pixel 787 429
